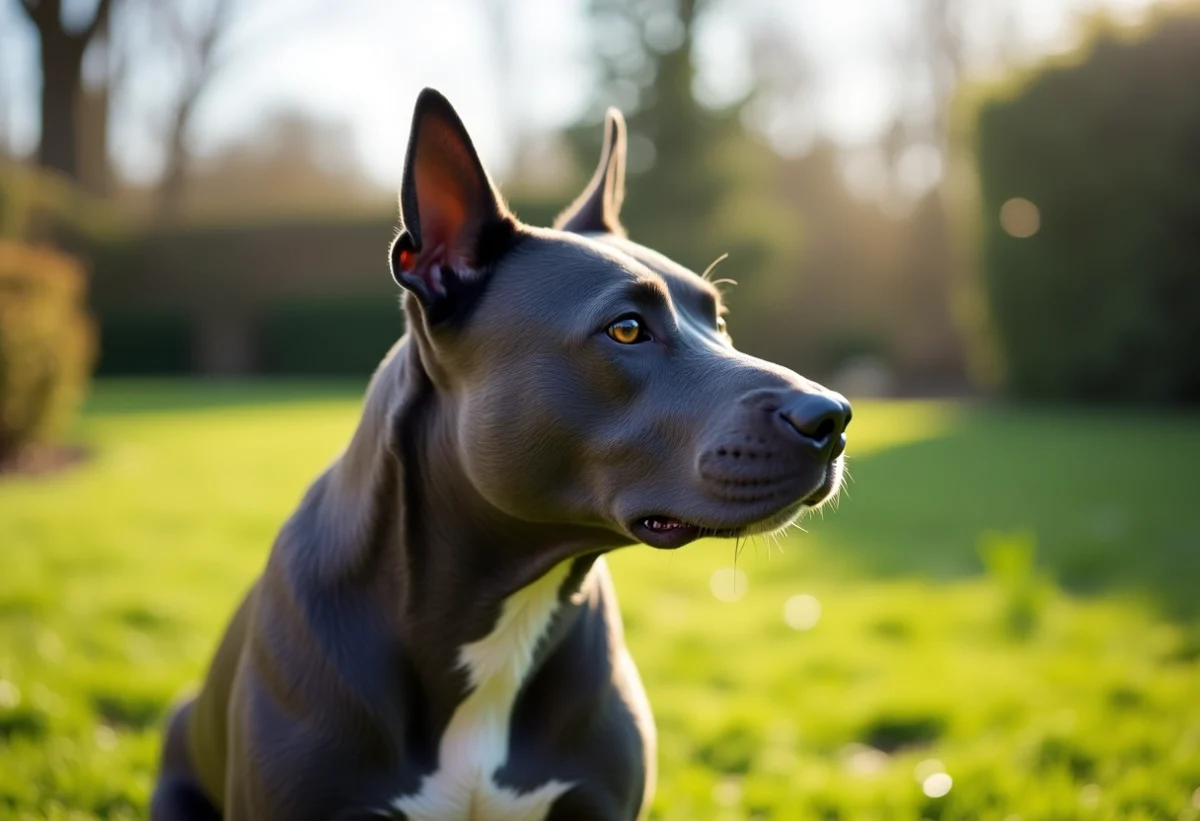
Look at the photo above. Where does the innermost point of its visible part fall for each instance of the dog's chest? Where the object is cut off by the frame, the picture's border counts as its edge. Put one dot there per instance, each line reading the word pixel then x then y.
pixel 475 743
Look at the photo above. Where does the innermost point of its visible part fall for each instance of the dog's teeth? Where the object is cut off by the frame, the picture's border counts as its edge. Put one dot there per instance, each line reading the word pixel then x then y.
pixel 661 525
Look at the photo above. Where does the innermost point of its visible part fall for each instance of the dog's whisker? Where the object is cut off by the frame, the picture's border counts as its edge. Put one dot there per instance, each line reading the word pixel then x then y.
pixel 712 266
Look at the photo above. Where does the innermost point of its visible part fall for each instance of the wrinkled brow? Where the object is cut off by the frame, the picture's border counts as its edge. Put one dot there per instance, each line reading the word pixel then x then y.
pixel 643 293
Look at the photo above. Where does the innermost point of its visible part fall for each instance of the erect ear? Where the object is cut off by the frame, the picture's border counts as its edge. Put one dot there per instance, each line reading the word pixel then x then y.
pixel 598 208
pixel 453 222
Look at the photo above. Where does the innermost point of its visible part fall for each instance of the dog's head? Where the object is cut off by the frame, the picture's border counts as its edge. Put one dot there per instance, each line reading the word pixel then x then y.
pixel 588 380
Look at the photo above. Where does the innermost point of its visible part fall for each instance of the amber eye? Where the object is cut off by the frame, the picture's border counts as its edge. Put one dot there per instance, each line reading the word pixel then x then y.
pixel 722 328
pixel 627 331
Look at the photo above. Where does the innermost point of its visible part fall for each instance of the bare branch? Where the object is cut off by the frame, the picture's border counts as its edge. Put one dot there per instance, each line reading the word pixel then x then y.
pixel 43 13
pixel 200 46
pixel 218 24
pixel 103 9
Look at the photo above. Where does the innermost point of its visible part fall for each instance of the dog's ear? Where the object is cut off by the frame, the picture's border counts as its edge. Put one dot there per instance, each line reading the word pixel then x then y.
pixel 598 208
pixel 453 222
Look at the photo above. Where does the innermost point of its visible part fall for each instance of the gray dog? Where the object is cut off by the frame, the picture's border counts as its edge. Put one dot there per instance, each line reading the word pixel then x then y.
pixel 435 636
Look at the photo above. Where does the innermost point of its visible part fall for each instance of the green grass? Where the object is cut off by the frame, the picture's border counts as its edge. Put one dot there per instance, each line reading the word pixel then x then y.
pixel 1067 688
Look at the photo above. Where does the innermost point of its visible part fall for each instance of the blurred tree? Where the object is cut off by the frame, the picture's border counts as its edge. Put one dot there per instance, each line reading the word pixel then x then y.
pixel 204 38
pixel 102 73
pixel 830 280
pixel 508 95
pixel 63 41
pixel 1089 217
pixel 196 32
pixel 6 146
pixel 841 302
pixel 782 99
pixel 699 183
pixel 943 41
pixel 292 164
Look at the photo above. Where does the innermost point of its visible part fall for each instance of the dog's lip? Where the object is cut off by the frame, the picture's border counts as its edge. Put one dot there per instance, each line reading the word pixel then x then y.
pixel 828 488
pixel 666 532
pixel 670 532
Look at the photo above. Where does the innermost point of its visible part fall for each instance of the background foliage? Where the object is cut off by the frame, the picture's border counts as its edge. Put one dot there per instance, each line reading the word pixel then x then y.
pixel 1103 302
pixel 46 345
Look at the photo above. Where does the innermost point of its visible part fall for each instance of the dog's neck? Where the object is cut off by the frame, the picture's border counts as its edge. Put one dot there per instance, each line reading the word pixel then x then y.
pixel 420 533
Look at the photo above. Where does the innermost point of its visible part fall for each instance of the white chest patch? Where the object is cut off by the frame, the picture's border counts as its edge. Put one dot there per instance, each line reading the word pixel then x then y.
pixel 475 743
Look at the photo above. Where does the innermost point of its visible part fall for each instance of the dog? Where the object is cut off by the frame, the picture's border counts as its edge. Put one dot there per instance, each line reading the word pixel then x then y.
pixel 435 636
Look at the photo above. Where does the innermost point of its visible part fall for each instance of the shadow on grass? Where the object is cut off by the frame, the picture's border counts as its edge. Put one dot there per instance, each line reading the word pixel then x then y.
pixel 1108 497
pixel 114 397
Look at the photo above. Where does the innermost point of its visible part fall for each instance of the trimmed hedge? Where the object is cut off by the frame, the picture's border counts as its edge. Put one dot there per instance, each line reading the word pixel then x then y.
pixel 314 295
pixel 1102 301
pixel 47 344
pixel 335 337
pixel 145 345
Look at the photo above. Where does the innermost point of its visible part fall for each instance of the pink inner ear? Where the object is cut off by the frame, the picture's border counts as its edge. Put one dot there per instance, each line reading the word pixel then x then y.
pixel 443 216
pixel 426 267
pixel 452 195
pixel 444 190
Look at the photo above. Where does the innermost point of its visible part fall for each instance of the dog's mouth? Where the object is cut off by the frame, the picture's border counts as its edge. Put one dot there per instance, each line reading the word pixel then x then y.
pixel 668 532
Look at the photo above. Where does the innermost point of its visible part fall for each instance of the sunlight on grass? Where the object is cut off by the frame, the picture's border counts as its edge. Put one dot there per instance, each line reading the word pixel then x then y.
pixel 880 425
pixel 866 669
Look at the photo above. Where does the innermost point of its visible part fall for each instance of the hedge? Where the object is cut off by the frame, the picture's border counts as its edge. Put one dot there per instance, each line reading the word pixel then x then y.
pixel 146 345
pixel 335 337
pixel 314 295
pixel 1093 290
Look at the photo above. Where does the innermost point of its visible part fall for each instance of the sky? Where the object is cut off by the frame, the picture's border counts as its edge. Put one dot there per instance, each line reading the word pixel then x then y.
pixel 362 62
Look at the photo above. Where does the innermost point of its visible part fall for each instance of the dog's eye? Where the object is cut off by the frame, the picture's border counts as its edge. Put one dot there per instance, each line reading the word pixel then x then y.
pixel 722 328
pixel 628 331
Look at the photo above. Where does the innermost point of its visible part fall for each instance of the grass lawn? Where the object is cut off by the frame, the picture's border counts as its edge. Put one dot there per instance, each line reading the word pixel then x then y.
pixel 915 680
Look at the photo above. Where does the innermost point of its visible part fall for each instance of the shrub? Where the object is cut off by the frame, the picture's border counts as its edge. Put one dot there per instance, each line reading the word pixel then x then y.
pixel 1090 243
pixel 47 344
pixel 38 205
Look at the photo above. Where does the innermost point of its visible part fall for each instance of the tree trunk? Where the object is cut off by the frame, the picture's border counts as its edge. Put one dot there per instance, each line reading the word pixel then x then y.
pixel 172 187
pixel 91 139
pixel 62 59
pixel 95 175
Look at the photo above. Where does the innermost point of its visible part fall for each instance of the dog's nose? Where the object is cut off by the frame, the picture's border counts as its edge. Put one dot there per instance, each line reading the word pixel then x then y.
pixel 820 419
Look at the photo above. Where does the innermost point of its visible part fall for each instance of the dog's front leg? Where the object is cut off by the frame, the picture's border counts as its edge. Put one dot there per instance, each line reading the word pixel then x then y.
pixel 248 795
pixel 276 765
